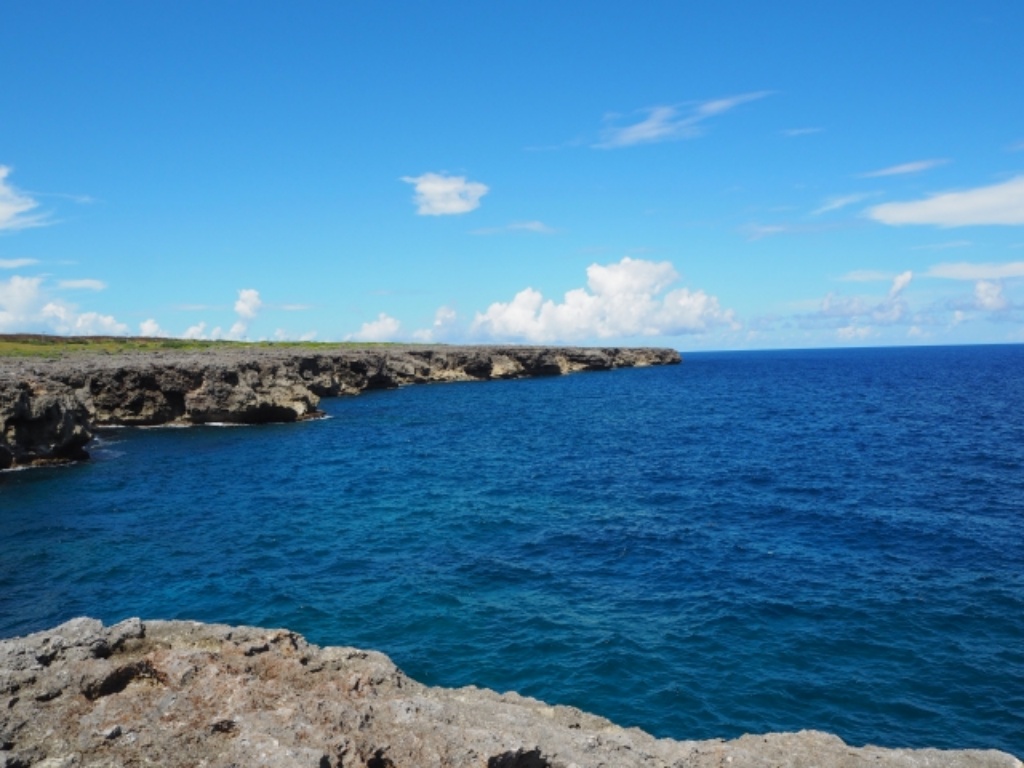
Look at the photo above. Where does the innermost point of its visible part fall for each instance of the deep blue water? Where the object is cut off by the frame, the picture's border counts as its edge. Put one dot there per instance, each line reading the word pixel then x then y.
pixel 747 542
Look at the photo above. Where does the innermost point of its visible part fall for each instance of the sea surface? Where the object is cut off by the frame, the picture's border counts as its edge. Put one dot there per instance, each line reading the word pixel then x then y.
pixel 747 542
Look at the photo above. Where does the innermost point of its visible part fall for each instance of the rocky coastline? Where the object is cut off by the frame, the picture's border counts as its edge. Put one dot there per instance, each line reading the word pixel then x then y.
pixel 51 408
pixel 176 693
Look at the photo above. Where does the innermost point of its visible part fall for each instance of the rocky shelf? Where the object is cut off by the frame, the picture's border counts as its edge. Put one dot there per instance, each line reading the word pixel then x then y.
pixel 50 409
pixel 176 693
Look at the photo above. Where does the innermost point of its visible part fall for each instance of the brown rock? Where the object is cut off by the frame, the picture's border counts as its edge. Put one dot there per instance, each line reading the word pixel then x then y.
pixel 187 694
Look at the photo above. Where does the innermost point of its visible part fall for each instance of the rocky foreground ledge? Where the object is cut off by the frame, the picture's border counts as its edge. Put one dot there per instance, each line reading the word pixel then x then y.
pixel 50 409
pixel 174 693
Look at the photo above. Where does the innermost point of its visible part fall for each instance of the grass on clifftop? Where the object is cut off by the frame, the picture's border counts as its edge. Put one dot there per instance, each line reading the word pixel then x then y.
pixel 41 345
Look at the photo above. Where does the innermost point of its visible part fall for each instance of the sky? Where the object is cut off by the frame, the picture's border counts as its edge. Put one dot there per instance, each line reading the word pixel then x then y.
pixel 700 174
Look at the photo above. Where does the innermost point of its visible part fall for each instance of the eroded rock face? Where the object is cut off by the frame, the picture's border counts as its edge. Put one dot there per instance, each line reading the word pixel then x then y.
pixel 188 694
pixel 49 408
pixel 41 422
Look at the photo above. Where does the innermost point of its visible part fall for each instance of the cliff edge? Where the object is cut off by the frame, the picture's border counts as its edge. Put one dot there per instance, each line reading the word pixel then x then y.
pixel 50 408
pixel 174 693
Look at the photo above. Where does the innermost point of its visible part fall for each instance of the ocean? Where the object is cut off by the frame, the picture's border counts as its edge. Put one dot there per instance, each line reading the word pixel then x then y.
pixel 747 542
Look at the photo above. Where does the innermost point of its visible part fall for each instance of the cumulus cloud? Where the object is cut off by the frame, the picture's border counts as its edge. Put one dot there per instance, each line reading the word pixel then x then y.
pixel 151 327
pixel 17 263
pixel 444 320
pixel 629 298
pixel 998 204
pixel 82 285
pixel 197 331
pixel 19 301
pixel 64 319
pixel 16 207
pixel 860 313
pixel 900 282
pixel 965 270
pixel 438 194
pixel 248 303
pixel 989 296
pixel 26 306
pixel 667 123
pixel 905 168
pixel 384 328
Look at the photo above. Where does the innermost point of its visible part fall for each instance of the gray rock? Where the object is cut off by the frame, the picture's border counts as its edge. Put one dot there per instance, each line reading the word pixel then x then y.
pixel 50 408
pixel 187 694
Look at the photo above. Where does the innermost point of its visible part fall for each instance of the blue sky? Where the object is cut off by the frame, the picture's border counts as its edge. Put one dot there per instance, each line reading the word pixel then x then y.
pixel 702 175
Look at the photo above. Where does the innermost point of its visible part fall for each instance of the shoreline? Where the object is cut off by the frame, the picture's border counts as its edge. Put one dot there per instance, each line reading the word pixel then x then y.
pixel 51 407
pixel 181 693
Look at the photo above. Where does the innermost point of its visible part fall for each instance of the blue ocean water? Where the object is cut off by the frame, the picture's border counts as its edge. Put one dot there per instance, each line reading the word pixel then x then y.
pixel 748 542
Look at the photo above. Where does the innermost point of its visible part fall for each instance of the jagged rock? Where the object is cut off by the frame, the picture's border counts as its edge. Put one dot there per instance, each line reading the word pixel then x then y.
pixel 188 694
pixel 48 408
pixel 41 422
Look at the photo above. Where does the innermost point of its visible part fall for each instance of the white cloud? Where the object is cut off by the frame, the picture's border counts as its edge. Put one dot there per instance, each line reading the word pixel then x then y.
pixel 16 207
pixel 197 331
pixel 905 168
pixel 64 319
pixel 1001 203
pixel 93 324
pixel 666 123
pixel 384 328
pixel 900 282
pixel 17 263
pixel 865 276
pixel 835 203
pixel 965 270
pixel 858 310
pixel 794 132
pixel 441 195
pixel 25 306
pixel 82 285
pixel 537 227
pixel 248 303
pixel 989 296
pixel 19 300
pixel 625 299
pixel 237 331
pixel 151 327
pixel 854 332
pixel 444 320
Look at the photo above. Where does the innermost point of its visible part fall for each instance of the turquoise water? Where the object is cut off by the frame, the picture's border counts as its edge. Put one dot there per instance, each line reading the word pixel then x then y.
pixel 747 542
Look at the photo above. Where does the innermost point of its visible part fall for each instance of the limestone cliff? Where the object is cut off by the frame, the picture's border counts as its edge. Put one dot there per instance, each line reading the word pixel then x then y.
pixel 188 694
pixel 50 408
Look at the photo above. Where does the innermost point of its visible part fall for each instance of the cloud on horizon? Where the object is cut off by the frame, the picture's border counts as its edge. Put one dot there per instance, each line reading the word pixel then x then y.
pixel 670 123
pixel 26 306
pixel 384 328
pixel 625 299
pixel 438 194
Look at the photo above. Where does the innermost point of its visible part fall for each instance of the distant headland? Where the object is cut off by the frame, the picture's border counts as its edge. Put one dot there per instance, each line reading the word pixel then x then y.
pixel 56 391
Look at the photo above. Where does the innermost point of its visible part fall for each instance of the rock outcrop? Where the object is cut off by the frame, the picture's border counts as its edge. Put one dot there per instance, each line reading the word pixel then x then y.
pixel 189 694
pixel 50 408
